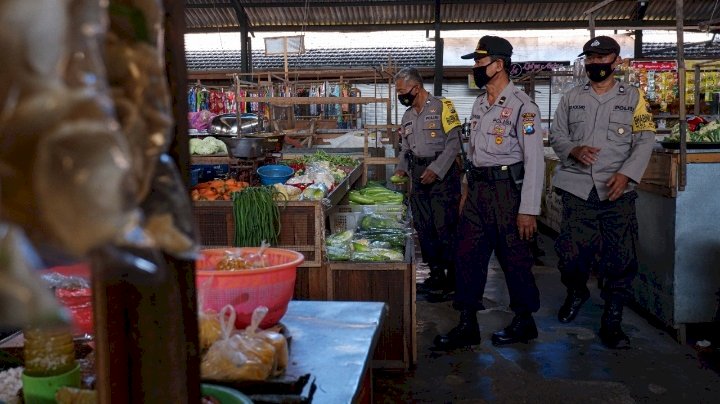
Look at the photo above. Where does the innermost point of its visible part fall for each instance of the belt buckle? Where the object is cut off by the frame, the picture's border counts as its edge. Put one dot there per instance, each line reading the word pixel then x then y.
pixel 503 168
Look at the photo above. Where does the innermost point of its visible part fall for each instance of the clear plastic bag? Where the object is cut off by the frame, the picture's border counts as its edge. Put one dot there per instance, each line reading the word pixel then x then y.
pixel 239 356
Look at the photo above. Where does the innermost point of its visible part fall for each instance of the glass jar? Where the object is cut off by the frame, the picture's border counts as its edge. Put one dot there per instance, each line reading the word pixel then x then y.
pixel 49 351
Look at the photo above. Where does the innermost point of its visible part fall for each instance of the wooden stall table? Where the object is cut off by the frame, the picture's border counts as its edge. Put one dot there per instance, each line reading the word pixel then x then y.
pixel 334 342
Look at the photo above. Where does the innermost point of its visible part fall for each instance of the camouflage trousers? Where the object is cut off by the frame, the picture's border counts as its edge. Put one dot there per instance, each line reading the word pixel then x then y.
pixel 435 215
pixel 595 228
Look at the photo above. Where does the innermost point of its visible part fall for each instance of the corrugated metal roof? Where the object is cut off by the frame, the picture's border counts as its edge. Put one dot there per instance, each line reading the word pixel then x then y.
pixel 362 15
pixel 418 56
pixel 338 58
pixel 701 50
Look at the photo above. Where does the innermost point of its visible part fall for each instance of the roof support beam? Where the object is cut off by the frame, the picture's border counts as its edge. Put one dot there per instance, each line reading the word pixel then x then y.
pixel 437 84
pixel 505 26
pixel 245 48
pixel 640 10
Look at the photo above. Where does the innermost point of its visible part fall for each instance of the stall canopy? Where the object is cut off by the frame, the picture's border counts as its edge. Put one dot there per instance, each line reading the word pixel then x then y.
pixel 380 15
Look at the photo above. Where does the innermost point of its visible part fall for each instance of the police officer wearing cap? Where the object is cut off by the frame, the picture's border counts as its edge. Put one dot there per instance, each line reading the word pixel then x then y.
pixel 504 187
pixel 430 143
pixel 603 135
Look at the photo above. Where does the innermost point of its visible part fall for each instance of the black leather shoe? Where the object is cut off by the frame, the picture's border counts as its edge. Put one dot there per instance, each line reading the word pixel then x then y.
pixel 439 297
pixel 611 335
pixel 570 309
pixel 521 329
pixel 466 333
pixel 433 283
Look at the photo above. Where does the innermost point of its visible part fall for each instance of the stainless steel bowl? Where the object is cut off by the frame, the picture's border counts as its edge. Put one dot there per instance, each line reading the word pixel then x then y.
pixel 226 124
pixel 246 147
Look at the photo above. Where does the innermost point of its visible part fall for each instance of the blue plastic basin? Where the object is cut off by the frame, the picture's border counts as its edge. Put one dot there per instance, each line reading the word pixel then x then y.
pixel 274 174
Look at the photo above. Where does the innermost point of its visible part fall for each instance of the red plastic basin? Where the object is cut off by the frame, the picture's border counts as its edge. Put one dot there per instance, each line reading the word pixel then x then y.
pixel 245 290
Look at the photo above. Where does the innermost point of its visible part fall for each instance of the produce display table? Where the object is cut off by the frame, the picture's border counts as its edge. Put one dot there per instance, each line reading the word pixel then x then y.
pixel 678 252
pixel 334 341
pixel 302 229
pixel 389 282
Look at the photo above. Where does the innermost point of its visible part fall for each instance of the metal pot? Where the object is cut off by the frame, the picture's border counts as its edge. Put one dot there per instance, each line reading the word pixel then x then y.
pixel 246 147
pixel 226 124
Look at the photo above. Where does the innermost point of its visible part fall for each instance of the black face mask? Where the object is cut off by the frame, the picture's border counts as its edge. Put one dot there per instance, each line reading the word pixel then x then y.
pixel 480 75
pixel 598 72
pixel 407 98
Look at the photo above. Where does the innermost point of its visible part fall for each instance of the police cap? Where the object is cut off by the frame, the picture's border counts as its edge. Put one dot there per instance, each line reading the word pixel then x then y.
pixel 601 45
pixel 490 46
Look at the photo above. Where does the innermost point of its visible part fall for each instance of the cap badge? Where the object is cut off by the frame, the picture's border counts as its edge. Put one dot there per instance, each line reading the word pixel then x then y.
pixel 595 43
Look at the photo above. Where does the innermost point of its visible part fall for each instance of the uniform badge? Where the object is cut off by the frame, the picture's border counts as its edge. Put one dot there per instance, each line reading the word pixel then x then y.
pixel 499 130
pixel 473 125
pixel 432 125
pixel 506 112
pixel 434 110
pixel 528 128
pixel 501 101
pixel 498 140
pixel 621 131
pixel 433 134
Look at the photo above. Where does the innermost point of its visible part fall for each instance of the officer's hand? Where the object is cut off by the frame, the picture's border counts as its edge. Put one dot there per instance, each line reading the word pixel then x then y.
pixel 428 176
pixel 617 184
pixel 585 154
pixel 400 173
pixel 527 226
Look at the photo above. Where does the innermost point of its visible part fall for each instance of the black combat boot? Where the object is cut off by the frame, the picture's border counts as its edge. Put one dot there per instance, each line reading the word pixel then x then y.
pixel 611 335
pixel 436 282
pixel 574 300
pixel 521 329
pixel 466 333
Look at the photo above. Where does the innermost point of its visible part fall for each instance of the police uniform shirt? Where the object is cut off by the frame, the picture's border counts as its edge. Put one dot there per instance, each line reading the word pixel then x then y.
pixel 617 122
pixel 509 132
pixel 435 129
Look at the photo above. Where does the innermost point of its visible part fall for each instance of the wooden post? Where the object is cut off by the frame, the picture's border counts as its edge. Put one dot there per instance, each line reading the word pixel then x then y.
pixel 680 16
pixel 146 322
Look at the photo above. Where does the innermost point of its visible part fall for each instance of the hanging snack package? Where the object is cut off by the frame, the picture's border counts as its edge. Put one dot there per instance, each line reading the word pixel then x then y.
pixel 136 72
pixel 65 177
pixel 235 357
pixel 24 299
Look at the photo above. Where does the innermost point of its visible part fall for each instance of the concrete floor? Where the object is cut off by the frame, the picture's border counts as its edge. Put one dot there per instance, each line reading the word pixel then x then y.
pixel 565 364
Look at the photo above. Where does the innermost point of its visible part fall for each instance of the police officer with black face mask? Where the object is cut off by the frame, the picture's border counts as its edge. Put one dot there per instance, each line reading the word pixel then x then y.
pixel 504 187
pixel 603 135
pixel 430 142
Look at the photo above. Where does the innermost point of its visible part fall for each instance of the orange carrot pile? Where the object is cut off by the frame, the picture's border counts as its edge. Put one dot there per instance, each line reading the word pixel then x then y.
pixel 217 190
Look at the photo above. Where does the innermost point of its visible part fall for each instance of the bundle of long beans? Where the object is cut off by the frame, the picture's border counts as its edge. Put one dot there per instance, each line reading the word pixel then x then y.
pixel 257 217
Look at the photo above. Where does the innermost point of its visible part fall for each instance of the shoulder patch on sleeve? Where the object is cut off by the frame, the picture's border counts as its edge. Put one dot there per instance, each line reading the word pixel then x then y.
pixel 642 118
pixel 450 118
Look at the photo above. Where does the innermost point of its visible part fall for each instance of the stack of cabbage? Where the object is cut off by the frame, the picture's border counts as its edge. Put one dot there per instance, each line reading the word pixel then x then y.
pixel 207 146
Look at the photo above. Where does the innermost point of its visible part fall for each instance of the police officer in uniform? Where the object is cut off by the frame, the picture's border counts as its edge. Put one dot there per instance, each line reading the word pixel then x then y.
pixel 603 135
pixel 505 182
pixel 430 143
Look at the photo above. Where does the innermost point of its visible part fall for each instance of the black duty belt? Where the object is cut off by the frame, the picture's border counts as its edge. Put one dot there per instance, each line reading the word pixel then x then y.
pixel 492 173
pixel 420 161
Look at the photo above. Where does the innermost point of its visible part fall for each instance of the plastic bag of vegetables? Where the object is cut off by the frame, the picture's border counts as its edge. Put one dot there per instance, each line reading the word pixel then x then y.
pixel 314 192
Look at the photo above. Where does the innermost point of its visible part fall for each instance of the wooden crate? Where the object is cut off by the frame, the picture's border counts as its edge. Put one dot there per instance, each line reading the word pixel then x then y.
pixel 311 283
pixel 302 226
pixel 389 282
